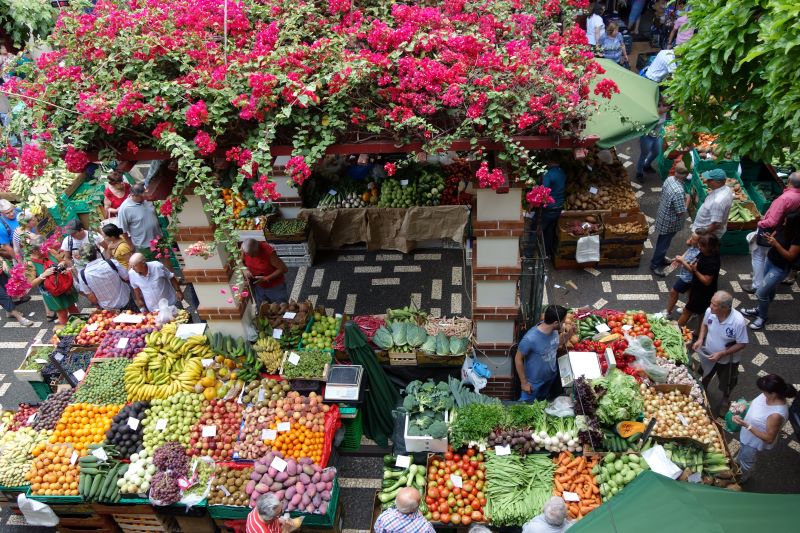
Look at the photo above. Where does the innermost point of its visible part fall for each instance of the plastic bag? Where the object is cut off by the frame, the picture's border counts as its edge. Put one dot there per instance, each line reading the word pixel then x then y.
pixel 197 496
pixel 561 407
pixel 739 407
pixel 642 349
pixel 166 312
pixel 470 377
pixel 588 249
pixel 36 513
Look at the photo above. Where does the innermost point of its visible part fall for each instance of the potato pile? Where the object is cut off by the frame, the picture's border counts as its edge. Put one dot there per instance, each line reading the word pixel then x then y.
pixel 627 228
pixel 606 186
pixel 229 485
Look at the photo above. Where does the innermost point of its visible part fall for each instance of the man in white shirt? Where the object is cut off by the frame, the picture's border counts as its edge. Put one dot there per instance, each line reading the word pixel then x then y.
pixel 723 335
pixel 662 67
pixel 137 218
pixel 712 216
pixel 151 281
pixel 71 248
pixel 105 281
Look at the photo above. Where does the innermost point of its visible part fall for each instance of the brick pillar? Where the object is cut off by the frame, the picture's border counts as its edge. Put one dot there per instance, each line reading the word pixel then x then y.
pixel 497 227
pixel 209 276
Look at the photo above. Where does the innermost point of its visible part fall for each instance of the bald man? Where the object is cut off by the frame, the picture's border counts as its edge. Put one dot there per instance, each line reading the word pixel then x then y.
pixel 404 517
pixel 151 281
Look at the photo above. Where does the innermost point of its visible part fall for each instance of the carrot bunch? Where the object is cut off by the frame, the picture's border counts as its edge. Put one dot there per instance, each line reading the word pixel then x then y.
pixel 574 474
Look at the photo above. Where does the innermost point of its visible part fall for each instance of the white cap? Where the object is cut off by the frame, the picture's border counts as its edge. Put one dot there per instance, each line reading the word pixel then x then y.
pixel 5 205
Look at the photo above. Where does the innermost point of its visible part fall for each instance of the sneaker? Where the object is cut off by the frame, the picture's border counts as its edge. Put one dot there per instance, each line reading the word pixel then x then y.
pixel 749 289
pixel 659 272
pixel 752 312
pixel 25 322
pixel 758 323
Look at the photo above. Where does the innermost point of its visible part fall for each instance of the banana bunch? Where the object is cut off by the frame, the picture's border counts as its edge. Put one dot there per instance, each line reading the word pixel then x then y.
pixel 167 365
pixel 268 351
pixel 181 317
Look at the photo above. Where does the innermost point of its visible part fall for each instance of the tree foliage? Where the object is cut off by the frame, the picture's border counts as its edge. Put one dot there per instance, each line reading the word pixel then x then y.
pixel 737 77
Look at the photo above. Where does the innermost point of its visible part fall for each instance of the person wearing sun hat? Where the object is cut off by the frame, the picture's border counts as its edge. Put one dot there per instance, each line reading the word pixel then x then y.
pixel 712 216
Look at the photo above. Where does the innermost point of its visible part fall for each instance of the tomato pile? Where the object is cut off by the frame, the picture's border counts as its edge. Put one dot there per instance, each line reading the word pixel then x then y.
pixel 639 326
pixel 448 503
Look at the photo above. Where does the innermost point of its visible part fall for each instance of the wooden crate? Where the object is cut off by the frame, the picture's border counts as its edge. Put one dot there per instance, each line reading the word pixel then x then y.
pixel 565 236
pixel 143 523
pixel 570 264
pixel 750 225
pixel 402 359
pixel 621 255
pixel 68 524
pixel 621 218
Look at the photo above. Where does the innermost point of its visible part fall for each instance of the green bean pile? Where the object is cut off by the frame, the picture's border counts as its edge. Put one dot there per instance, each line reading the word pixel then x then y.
pixel 517 487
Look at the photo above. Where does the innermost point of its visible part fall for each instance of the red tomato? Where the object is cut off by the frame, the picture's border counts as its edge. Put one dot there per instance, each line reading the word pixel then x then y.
pixel 468 487
pixel 448 455
pixel 428 501
pixel 444 508
pixel 456 457
pixel 471 452
pixel 445 518
pixel 477 516
pixel 456 518
pixel 436 516
pixel 444 492
pixel 469 471
pixel 433 492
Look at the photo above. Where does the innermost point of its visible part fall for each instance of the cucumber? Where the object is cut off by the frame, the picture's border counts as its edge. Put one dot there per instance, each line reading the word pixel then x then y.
pixel 633 438
pixel 97 482
pixel 91 471
pixel 110 479
pixel 81 483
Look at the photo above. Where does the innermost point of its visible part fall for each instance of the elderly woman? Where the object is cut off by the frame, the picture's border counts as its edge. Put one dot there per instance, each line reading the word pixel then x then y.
pixel 612 44
pixel 266 517
pixel 552 520
pixel 42 266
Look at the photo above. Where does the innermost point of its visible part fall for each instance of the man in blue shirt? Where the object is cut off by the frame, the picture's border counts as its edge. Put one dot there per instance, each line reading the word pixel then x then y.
pixel 535 360
pixel 8 223
pixel 556 180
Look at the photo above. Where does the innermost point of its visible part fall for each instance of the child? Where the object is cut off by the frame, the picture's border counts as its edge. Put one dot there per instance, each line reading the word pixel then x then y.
pixel 684 280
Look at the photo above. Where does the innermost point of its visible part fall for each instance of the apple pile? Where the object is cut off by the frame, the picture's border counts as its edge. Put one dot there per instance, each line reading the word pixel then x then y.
pixel 101 322
pixel 113 345
pixel 221 420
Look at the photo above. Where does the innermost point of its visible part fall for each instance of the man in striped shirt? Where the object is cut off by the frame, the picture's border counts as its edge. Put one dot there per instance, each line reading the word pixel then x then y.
pixel 404 517
pixel 266 517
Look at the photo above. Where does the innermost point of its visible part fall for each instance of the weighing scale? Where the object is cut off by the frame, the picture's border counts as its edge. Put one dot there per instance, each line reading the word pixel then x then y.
pixel 344 383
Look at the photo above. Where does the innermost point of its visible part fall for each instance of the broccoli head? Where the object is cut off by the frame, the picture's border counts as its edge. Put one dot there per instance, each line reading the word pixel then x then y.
pixel 438 430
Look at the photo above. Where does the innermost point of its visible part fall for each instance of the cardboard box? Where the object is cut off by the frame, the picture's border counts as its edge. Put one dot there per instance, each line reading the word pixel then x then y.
pixel 425 444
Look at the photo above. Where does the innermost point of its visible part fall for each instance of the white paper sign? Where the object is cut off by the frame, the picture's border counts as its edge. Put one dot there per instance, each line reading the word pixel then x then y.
pixel 207 362
pixel 185 331
pixel 128 319
pixel 209 431
pixel 288 315
pixel 73 458
pixel 294 358
pixel 592 190
pixel 100 453
pixel 403 461
pixel 627 327
pixel 79 374
pixel 277 333
pixel 133 423
pixel 224 490
pixel 285 426
pixel 92 327
pixel 31 419
pixel 502 450
pixel 602 328
pixel 570 496
pixel 161 424
pixel 261 395
pixel 241 393
pixel 456 480
pixel 123 342
pixel 40 361
pixel 278 464
pixel 683 420
pixel 269 434
pixel 403 182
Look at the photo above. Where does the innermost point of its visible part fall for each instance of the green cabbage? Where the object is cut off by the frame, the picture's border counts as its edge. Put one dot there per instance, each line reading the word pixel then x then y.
pixel 442 344
pixel 399 334
pixel 622 399
pixel 429 346
pixel 458 345
pixel 415 335
pixel 383 338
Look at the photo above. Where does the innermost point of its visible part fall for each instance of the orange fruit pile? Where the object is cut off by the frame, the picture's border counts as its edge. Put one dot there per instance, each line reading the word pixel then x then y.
pixel 300 442
pixel 82 424
pixel 51 473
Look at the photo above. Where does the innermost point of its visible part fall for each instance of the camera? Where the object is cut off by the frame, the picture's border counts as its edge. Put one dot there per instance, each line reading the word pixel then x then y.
pixel 58 269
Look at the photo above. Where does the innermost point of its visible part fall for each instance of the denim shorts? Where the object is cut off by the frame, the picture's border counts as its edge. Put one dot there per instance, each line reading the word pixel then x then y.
pixel 681 286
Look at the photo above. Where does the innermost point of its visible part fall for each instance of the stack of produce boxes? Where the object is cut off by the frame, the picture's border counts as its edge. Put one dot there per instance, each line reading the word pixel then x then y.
pixel 624 235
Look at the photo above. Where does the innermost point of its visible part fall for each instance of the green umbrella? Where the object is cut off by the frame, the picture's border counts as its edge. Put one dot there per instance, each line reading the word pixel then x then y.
pixel 381 397
pixel 630 113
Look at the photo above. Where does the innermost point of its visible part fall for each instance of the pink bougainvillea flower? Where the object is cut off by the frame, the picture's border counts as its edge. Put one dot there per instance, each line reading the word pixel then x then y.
pixel 166 207
pixel 489 180
pixel 606 88
pixel 132 147
pixel 298 170
pixel 245 294
pixel 229 300
pixel 390 169
pixel 223 291
pixel 205 144
pixel 539 196
pixel 75 159
pixel 33 161
pixel 197 114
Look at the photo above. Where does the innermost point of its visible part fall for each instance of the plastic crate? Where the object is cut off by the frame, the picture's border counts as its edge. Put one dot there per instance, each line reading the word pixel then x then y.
pixel 61 214
pixel 353 431
pixel 735 243
pixel 730 166
pixel 757 196
pixel 92 192
pixel 42 389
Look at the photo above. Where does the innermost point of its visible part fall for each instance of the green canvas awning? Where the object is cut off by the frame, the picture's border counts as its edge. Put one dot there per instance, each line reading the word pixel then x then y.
pixel 657 504
pixel 629 113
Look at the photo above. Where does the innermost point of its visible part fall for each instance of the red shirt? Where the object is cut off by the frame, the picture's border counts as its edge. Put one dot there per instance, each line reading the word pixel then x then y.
pixel 115 200
pixel 256 525
pixel 259 265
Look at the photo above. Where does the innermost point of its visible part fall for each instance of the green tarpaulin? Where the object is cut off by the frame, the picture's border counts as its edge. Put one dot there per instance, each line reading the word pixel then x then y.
pixel 627 114
pixel 656 504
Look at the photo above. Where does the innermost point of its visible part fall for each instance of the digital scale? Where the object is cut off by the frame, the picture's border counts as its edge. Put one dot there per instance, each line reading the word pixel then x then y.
pixel 344 383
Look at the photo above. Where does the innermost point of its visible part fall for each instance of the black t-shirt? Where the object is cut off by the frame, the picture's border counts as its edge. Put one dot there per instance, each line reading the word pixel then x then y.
pixel 774 256
pixel 700 295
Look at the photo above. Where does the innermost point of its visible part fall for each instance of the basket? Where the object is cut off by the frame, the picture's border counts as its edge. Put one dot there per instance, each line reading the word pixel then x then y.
pixel 353 431
pixel 749 225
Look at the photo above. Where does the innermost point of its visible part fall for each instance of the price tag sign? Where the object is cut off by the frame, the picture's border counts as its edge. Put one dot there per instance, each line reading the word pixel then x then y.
pixel 571 496
pixel 40 361
pixel 456 480
pixel 627 327
pixel 123 342
pixel 403 183
pixel 285 426
pixel 261 394
pixel 100 453
pixel 59 356
pixel 592 190
pixel 31 419
pixel 403 461
pixel 92 327
pixel 332 192
pixel 133 423
pixel 209 431
pixel 241 394
pixel 602 328
pixel 683 420
pixel 294 358
pixel 161 424
pixel 278 464
pixel 73 458
pixel 79 374
pixel 206 362
pixel 288 315
pixel 183 483
pixel 502 450
pixel 269 434
pixel 224 490
pixel 277 333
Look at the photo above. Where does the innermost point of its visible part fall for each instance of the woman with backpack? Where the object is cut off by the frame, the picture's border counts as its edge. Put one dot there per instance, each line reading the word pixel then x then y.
pixel 53 279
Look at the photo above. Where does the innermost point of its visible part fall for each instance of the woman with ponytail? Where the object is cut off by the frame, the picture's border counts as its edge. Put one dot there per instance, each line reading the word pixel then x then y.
pixel 763 421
